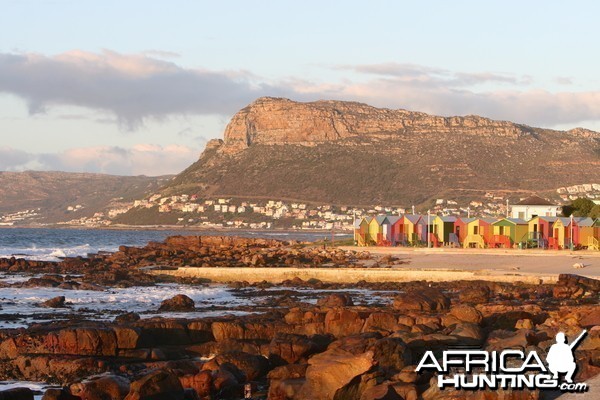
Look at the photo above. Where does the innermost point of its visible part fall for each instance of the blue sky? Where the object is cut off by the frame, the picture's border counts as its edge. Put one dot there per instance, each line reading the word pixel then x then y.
pixel 138 87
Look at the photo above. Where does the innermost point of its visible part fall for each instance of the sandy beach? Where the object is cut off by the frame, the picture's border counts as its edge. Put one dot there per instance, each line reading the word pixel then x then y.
pixel 542 262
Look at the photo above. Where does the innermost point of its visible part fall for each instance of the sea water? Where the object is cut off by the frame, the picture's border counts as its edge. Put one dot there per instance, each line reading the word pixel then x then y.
pixel 21 306
pixel 52 244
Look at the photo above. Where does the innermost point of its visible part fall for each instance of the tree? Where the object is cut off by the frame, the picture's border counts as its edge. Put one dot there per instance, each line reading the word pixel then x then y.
pixel 580 207
pixel 595 212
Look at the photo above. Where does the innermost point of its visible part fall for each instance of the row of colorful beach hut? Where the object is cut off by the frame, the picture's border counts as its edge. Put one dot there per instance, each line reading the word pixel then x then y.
pixel 437 231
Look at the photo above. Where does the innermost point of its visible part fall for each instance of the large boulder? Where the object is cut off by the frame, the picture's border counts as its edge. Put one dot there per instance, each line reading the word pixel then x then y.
pixel 336 300
pixel 342 322
pixel 423 300
pixel 330 371
pixel 157 385
pixel 248 366
pixel 16 394
pixel 200 382
pixel 475 295
pixel 291 348
pixel 105 387
pixel 570 286
pixel 180 302
pixel 466 313
pixel 55 302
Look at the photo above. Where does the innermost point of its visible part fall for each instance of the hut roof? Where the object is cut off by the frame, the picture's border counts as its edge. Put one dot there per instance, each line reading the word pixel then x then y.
pixel 414 218
pixel 393 219
pixel 448 218
pixel 380 219
pixel 585 222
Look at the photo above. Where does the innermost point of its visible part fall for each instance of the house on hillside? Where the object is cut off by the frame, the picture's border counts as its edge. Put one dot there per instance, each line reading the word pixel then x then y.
pixel 534 206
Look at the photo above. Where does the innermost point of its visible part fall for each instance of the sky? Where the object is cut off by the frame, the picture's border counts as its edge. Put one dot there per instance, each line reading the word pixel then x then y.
pixel 138 87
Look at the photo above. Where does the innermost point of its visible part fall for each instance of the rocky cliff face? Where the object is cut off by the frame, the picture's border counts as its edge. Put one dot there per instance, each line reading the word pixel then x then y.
pixel 278 121
pixel 351 153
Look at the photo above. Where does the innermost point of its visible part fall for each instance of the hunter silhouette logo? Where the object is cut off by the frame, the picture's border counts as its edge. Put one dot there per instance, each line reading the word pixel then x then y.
pixel 507 369
pixel 560 356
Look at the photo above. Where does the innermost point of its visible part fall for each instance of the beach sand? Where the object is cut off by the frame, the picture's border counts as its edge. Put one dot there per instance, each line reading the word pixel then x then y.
pixel 542 262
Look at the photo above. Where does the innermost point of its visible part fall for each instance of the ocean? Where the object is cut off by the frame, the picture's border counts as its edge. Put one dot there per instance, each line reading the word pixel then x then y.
pixel 21 306
pixel 52 244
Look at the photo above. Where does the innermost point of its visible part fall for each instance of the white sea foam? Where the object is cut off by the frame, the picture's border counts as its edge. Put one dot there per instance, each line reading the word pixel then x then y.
pixel 106 304
pixel 37 387
pixel 51 253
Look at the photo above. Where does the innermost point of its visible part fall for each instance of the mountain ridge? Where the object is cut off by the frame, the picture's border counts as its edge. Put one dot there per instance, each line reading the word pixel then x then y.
pixel 55 191
pixel 333 151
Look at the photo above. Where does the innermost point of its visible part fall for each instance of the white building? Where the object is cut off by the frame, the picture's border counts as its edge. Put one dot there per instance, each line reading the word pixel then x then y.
pixel 534 206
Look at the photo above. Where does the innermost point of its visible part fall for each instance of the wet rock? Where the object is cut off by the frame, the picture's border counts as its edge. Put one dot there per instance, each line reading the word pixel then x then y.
pixel 55 302
pixel 423 300
pixel 17 394
pixel 180 302
pixel 336 300
pixel 127 317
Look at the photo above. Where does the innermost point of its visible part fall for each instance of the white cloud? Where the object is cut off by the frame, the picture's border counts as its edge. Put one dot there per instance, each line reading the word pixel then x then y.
pixel 133 87
pixel 140 159
pixel 138 87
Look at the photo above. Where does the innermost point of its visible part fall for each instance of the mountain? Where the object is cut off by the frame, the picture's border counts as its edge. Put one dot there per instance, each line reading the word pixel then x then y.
pixel 55 192
pixel 351 153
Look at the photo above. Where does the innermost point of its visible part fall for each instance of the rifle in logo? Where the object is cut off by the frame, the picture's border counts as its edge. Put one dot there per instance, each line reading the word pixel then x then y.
pixel 560 356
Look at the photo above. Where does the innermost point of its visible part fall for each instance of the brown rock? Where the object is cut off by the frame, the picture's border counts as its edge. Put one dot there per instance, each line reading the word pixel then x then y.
pixel 466 313
pixel 423 300
pixel 55 302
pixel 16 394
pixel 106 387
pixel 475 295
pixel 180 302
pixel 127 317
pixel 251 366
pixel 469 333
pixel 200 382
pixel 158 384
pixel 291 348
pixel 83 341
pixel 59 394
pixel 336 300
pixel 343 322
pixel 330 371
pixel 381 322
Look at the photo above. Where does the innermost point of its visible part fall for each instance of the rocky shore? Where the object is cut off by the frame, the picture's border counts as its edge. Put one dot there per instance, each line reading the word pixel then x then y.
pixel 305 339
